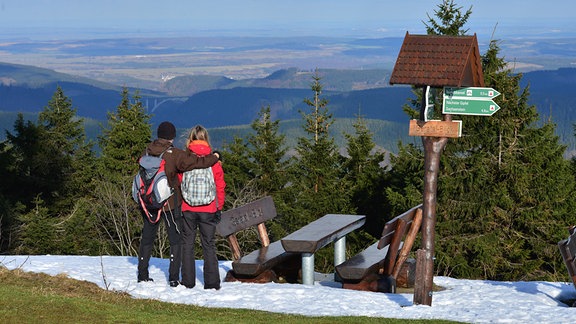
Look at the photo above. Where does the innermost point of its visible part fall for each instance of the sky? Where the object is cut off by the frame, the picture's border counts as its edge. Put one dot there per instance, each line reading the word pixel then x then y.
pixel 469 301
pixel 298 16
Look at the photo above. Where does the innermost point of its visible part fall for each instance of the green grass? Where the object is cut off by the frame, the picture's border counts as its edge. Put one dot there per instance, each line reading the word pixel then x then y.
pixel 27 297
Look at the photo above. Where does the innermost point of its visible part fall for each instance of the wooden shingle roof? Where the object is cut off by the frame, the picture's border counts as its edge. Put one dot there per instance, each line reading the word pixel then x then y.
pixel 439 61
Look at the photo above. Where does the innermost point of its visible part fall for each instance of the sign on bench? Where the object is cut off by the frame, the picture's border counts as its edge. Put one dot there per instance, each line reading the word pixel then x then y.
pixel 386 256
pixel 248 266
pixel 241 218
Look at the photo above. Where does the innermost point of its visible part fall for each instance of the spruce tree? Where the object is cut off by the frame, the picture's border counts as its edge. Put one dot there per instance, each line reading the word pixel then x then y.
pixel 53 165
pixel 316 188
pixel 364 174
pixel 122 143
pixel 503 186
pixel 271 165
pixel 71 154
pixel 255 168
pixel 451 20
pixel 26 173
pixel 45 153
pixel 268 152
pixel 239 173
pixel 124 138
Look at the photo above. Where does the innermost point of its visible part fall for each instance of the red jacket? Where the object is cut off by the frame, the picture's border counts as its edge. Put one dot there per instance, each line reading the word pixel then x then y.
pixel 201 148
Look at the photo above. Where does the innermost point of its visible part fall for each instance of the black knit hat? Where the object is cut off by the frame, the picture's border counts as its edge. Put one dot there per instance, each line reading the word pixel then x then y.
pixel 166 130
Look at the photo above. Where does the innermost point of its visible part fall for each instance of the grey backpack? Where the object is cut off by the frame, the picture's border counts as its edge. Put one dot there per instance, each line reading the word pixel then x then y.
pixel 198 187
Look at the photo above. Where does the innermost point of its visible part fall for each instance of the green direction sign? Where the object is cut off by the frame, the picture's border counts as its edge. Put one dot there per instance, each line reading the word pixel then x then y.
pixel 471 93
pixel 470 101
pixel 466 106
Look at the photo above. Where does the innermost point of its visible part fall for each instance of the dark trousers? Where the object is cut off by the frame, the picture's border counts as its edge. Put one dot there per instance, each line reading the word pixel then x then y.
pixel 206 224
pixel 173 222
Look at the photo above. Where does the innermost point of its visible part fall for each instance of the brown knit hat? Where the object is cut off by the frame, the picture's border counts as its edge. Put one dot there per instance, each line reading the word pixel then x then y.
pixel 166 130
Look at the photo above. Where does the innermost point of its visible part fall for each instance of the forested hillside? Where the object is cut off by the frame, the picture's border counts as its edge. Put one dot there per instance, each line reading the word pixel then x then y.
pixel 553 94
pixel 218 102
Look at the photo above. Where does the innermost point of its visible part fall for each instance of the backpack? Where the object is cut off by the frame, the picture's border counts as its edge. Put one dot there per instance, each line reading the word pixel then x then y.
pixel 150 188
pixel 198 187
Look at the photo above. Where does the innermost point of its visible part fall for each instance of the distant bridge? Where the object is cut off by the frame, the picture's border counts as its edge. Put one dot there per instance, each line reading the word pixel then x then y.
pixel 159 103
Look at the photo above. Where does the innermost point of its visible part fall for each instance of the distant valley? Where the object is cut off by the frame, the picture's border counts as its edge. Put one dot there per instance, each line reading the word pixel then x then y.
pixel 227 106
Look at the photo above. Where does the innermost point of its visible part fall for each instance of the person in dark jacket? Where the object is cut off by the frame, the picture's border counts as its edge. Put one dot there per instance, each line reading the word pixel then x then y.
pixel 176 162
pixel 204 218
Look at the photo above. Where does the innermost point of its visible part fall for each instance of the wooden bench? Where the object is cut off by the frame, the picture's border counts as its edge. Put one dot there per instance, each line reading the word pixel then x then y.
pixel 263 264
pixel 319 233
pixel 385 257
pixel 568 250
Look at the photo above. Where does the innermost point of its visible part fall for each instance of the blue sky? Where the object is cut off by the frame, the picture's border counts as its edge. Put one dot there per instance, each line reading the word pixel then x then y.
pixel 298 16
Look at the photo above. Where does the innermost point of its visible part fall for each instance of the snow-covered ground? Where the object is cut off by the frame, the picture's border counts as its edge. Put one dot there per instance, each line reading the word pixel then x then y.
pixel 473 301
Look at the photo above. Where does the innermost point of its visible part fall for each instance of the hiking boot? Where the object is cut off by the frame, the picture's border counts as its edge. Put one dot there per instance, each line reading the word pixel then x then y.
pixel 146 280
pixel 174 283
pixel 212 287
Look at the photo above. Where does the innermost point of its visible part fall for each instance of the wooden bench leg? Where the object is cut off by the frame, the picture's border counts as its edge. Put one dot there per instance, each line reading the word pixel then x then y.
pixel 308 268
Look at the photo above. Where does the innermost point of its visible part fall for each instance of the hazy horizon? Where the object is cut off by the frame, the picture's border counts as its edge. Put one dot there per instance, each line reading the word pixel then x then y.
pixel 60 19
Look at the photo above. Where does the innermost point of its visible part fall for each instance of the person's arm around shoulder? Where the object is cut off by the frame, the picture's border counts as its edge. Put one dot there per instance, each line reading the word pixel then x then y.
pixel 187 160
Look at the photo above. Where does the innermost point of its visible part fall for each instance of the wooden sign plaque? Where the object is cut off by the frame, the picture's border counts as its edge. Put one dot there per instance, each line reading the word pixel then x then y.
pixel 436 128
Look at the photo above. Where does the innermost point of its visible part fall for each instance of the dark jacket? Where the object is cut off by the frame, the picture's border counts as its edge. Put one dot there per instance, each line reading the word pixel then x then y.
pixel 177 161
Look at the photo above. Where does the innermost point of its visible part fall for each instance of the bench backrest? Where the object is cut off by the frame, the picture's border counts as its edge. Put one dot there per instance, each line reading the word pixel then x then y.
pixel 392 236
pixel 243 217
pixel 398 223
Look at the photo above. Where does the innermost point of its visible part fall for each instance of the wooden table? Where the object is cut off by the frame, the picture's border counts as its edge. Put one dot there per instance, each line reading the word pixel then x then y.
pixel 312 237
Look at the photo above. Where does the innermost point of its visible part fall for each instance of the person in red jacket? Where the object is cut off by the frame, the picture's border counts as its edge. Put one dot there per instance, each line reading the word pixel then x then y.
pixel 203 217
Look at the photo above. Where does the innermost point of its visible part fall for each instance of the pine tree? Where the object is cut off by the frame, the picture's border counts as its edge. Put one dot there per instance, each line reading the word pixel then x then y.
pixel 72 156
pixel 50 161
pixel 255 168
pixel 503 186
pixel 37 233
pixel 316 189
pixel 239 173
pixel 365 176
pixel 268 152
pixel 122 143
pixel 26 173
pixel 452 20
pixel 124 139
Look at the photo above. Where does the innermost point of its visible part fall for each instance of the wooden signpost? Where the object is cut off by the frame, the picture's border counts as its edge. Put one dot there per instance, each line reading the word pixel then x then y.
pixel 439 61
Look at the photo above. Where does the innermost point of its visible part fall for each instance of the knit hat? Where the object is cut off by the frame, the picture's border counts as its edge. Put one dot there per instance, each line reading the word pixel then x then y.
pixel 166 130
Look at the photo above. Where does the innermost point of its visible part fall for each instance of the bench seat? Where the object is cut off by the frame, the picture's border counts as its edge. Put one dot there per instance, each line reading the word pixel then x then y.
pixel 260 260
pixel 362 264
